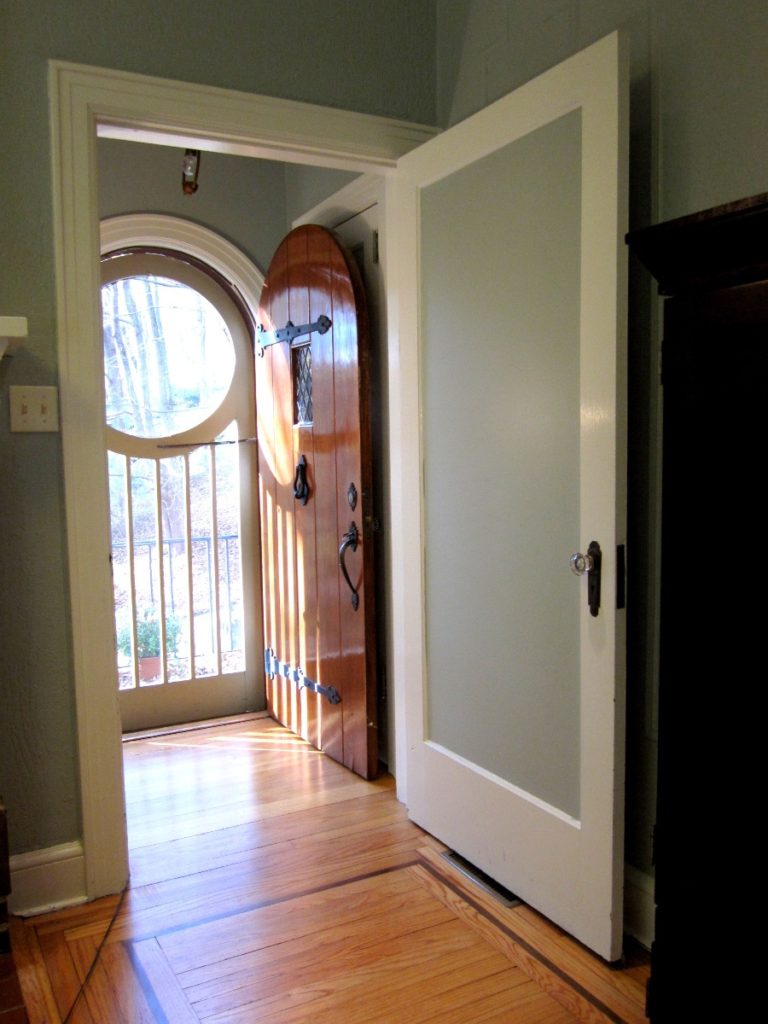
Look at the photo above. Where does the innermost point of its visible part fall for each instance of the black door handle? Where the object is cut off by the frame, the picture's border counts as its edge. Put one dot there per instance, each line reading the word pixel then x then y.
pixel 300 485
pixel 349 540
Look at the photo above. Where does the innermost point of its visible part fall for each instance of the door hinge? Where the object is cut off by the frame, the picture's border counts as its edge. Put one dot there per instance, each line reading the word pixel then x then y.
pixel 290 332
pixel 274 667
pixel 621 577
pixel 372 523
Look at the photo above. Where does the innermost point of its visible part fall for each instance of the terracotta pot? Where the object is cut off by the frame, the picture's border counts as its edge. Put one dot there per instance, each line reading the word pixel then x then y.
pixel 149 668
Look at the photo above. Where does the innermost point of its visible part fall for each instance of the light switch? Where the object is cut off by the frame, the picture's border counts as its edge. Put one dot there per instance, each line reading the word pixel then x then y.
pixel 34 408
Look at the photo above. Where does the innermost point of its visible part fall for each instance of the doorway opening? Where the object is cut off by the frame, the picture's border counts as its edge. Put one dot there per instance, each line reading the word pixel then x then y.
pixel 86 102
pixel 180 422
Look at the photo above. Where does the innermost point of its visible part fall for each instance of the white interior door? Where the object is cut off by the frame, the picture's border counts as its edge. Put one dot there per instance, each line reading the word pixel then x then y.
pixel 508 298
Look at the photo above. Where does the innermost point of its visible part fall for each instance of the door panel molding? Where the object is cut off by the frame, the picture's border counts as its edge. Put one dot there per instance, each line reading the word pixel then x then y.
pixel 127 230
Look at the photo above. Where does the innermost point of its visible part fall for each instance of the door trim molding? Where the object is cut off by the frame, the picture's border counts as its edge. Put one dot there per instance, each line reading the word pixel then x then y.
pixel 160 229
pixel 85 102
pixel 350 201
pixel 639 905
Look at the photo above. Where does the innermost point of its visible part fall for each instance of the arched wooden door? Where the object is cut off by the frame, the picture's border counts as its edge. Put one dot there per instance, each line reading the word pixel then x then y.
pixel 315 495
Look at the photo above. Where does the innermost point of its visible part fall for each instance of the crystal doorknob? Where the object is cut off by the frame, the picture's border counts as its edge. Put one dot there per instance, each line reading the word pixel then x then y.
pixel 590 564
pixel 581 563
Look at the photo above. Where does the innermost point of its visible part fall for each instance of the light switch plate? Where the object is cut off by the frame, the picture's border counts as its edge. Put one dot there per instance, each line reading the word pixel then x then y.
pixel 34 409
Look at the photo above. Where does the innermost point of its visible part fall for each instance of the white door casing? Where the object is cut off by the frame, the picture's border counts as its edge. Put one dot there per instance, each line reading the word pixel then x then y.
pixel 86 102
pixel 564 856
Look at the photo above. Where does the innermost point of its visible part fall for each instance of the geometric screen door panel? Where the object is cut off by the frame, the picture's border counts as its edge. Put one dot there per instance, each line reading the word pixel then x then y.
pixel 510 283
pixel 315 495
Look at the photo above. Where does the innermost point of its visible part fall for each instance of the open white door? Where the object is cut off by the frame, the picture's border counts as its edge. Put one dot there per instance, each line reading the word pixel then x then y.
pixel 507 295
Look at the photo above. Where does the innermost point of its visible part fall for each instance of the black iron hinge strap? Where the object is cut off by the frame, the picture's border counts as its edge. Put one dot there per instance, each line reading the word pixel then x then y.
pixel 290 332
pixel 274 667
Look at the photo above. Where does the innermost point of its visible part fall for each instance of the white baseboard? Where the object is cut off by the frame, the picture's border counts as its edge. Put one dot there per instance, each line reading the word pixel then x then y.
pixel 639 905
pixel 48 879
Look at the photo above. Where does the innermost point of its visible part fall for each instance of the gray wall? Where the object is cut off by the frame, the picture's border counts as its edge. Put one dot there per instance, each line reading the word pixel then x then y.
pixel 249 202
pixel 305 187
pixel 376 56
pixel 699 77
pixel 699 137
pixel 240 198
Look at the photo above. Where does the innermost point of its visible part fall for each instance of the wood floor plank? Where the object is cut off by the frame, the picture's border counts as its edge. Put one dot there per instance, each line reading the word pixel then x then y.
pixel 100 910
pixel 585 966
pixel 409 955
pixel 65 980
pixel 275 875
pixel 298 866
pixel 165 860
pixel 514 950
pixel 234 877
pixel 503 997
pixel 270 885
pixel 213 777
pixel 120 1004
pixel 150 959
pixel 584 969
pixel 301 954
pixel 290 919
pixel 161 917
pixel 385 991
pixel 188 822
pixel 33 977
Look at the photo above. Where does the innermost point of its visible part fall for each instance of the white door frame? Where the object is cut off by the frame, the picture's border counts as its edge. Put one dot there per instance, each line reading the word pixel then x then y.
pixel 86 102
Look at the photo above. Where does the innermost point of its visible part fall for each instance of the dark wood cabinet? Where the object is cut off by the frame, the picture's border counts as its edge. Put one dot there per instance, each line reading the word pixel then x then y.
pixel 5 881
pixel 713 270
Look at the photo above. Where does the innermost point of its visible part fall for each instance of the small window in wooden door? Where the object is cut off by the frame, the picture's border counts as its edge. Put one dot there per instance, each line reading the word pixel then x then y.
pixel 301 356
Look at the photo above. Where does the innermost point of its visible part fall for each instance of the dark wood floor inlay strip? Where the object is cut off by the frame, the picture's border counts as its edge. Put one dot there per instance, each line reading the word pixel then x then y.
pixel 260 904
pixel 523 943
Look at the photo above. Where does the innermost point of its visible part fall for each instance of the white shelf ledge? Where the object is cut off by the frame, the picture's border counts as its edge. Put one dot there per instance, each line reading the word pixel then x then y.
pixel 13 329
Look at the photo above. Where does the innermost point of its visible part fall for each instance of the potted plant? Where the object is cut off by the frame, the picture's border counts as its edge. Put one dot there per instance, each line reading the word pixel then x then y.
pixel 148 640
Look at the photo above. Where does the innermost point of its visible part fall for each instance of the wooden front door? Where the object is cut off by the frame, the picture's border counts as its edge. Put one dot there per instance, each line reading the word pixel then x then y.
pixel 316 502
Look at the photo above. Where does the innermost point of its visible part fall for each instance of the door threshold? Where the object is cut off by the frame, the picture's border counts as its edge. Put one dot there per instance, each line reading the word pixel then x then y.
pixel 206 723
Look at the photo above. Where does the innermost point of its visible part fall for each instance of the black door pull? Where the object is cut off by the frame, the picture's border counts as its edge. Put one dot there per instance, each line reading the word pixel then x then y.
pixel 300 485
pixel 349 540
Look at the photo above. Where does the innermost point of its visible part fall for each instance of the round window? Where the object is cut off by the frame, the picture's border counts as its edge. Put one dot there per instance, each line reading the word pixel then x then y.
pixel 169 359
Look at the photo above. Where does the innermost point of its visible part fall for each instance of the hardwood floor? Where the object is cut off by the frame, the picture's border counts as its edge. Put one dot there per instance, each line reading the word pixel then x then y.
pixel 269 884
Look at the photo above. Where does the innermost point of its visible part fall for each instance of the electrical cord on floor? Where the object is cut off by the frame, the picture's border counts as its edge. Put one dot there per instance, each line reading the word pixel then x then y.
pixel 97 954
